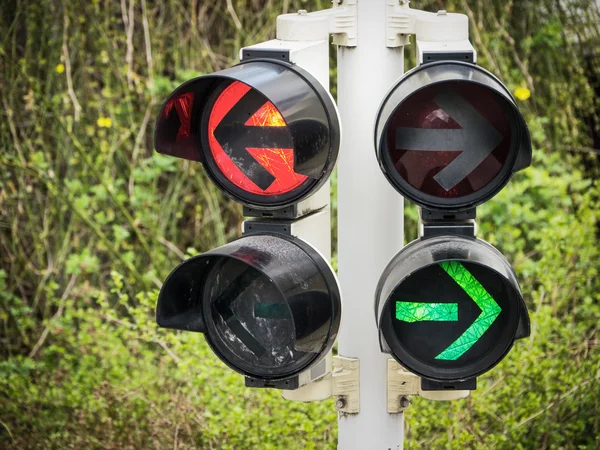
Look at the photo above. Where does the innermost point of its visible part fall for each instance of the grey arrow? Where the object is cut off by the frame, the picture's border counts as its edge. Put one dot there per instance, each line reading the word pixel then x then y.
pixel 476 140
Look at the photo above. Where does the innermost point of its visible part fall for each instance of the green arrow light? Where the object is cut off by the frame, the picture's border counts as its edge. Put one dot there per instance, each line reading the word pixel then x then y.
pixel 448 312
pixel 490 310
pixel 418 312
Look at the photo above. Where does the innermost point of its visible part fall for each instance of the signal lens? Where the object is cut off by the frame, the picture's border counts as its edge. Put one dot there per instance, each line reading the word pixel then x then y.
pixel 468 320
pixel 252 320
pixel 250 142
pixel 267 132
pixel 449 308
pixel 450 139
pixel 263 318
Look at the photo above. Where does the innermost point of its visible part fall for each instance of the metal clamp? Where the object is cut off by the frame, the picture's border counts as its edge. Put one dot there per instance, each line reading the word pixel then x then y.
pixel 402 21
pixel 346 384
pixel 344 23
pixel 399 23
pixel 401 384
pixel 341 21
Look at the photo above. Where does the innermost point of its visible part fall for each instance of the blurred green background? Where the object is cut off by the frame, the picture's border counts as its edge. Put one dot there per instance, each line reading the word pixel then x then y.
pixel 91 221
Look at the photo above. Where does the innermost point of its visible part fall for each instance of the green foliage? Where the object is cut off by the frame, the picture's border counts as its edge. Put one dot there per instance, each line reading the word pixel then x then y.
pixel 91 221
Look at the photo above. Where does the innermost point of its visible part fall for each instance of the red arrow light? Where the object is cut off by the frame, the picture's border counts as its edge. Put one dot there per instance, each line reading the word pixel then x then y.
pixel 266 132
pixel 247 154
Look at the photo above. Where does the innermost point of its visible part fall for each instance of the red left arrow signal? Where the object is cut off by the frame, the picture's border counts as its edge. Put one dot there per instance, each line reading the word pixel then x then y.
pixel 251 143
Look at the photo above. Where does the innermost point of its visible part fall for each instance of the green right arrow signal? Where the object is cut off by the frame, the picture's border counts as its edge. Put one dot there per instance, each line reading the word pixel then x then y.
pixel 490 310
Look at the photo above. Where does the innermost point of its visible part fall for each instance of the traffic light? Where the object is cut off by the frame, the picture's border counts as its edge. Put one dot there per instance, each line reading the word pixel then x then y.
pixel 266 130
pixel 449 136
pixel 268 134
pixel 268 304
pixel 448 306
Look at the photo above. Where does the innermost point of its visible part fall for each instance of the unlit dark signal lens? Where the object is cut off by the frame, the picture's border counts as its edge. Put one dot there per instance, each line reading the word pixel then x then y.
pixel 450 140
pixel 252 320
pixel 269 306
pixel 449 136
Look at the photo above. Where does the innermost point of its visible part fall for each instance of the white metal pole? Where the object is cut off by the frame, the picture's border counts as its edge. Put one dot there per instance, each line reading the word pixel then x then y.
pixel 370 225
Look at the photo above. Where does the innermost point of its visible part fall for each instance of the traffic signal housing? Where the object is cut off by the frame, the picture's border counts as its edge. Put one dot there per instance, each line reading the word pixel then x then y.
pixel 448 306
pixel 268 304
pixel 268 134
pixel 449 136
pixel 266 130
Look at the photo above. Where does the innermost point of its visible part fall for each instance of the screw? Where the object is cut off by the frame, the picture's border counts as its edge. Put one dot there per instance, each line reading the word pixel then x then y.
pixel 340 403
pixel 404 402
pixel 442 12
pixel 302 12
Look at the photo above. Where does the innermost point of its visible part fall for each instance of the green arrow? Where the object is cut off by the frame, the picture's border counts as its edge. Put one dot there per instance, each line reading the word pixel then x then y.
pixel 490 310
pixel 418 312
pixel 448 312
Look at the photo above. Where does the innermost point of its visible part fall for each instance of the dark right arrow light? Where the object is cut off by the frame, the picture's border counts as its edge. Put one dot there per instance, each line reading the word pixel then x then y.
pixel 449 136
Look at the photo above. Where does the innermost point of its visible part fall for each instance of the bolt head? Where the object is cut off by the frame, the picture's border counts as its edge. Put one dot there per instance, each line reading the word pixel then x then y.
pixel 302 12
pixel 340 403
pixel 442 12
pixel 404 402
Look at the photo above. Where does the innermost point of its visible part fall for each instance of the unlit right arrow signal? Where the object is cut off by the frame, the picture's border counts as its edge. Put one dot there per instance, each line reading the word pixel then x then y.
pixel 476 140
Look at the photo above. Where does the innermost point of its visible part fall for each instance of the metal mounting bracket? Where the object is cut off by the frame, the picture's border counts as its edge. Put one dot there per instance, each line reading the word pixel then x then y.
pixel 344 23
pixel 399 23
pixel 314 384
pixel 401 384
pixel 346 384
pixel 441 27
pixel 341 20
pixel 435 223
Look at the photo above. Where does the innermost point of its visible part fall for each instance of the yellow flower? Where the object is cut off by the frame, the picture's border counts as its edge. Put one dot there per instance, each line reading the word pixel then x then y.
pixel 60 68
pixel 104 122
pixel 522 93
